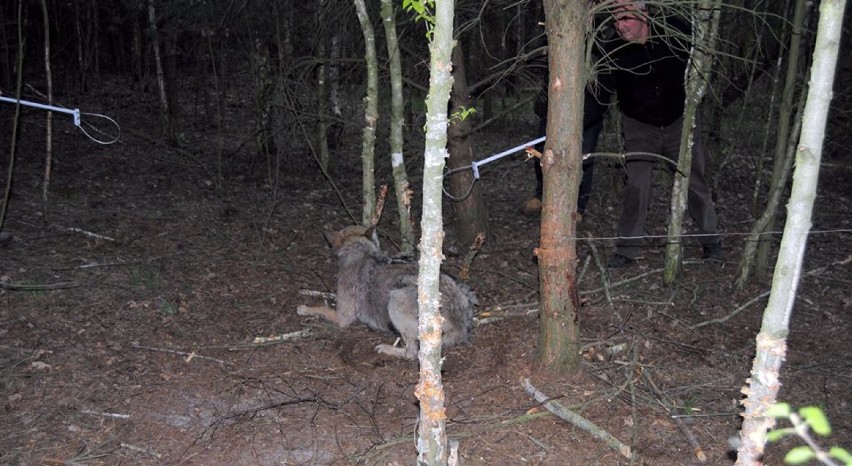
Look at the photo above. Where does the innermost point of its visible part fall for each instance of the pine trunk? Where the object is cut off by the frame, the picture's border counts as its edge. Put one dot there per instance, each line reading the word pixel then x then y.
pixel 559 338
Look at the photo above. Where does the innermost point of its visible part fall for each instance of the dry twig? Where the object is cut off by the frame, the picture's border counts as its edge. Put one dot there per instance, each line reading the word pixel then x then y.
pixel 284 337
pixel 577 420
pixel 52 286
pixel 189 356
pixel 696 448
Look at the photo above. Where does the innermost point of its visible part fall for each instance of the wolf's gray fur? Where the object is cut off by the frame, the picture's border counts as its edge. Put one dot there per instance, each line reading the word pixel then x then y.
pixel 381 293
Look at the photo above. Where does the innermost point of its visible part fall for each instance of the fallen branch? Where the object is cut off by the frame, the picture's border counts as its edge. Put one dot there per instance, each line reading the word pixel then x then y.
pixel 498 313
pixel 85 233
pixel 188 356
pixel 474 249
pixel 263 341
pixel 696 448
pixel 816 271
pixel 604 277
pixel 732 314
pixel 146 451
pixel 318 294
pixel 622 282
pixel 52 286
pixel 105 414
pixel 577 420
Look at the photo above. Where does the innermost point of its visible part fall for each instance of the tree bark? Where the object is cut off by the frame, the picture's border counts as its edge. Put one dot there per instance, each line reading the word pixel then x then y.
pixel 779 182
pixel 371 115
pixel 48 155
pixel 772 339
pixel 559 338
pixel 402 188
pixel 322 90
pixel 16 120
pixel 165 105
pixel 431 432
pixel 471 213
pixel 705 26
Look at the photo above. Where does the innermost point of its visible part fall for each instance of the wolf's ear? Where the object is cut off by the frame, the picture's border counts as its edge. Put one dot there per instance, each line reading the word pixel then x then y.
pixel 334 239
pixel 373 235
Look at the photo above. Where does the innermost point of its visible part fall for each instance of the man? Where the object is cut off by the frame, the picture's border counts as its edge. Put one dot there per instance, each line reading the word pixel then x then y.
pixel 649 60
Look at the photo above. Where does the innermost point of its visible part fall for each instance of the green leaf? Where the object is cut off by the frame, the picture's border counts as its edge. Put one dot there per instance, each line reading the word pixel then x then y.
pixel 799 455
pixel 777 434
pixel 462 114
pixel 779 410
pixel 816 419
pixel 841 454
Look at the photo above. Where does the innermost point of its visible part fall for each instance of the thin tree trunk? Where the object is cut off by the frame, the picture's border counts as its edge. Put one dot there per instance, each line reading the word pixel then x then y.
pixel 334 76
pixel 7 192
pixel 168 131
pixel 48 156
pixel 705 26
pixel 783 131
pixel 371 115
pixel 81 57
pixel 283 12
pixel 402 188
pixel 322 90
pixel 95 43
pixel 263 93
pixel 471 214
pixel 776 79
pixel 217 88
pixel 772 204
pixel 559 338
pixel 137 53
pixel 772 339
pixel 431 431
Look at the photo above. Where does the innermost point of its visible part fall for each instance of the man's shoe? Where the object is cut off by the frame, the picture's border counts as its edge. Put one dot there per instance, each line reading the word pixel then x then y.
pixel 617 261
pixel 532 207
pixel 713 252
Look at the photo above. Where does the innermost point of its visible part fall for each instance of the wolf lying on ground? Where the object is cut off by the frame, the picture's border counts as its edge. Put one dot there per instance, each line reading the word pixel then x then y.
pixel 382 294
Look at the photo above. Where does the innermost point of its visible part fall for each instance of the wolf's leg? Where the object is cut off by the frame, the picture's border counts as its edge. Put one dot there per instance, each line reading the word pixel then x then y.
pixel 395 351
pixel 402 310
pixel 325 312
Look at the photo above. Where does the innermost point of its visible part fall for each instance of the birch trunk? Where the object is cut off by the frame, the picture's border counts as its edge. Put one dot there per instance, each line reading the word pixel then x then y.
pixel 402 188
pixel 705 27
pixel 772 339
pixel 431 432
pixel 371 115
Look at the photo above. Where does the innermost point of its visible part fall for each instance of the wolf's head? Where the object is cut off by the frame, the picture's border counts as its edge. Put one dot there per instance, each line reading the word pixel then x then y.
pixel 352 235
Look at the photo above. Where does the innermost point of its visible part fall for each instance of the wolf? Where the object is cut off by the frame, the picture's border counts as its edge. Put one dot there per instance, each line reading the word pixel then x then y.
pixel 382 293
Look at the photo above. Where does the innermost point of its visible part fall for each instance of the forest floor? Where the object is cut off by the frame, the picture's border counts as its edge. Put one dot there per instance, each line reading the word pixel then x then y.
pixel 135 344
